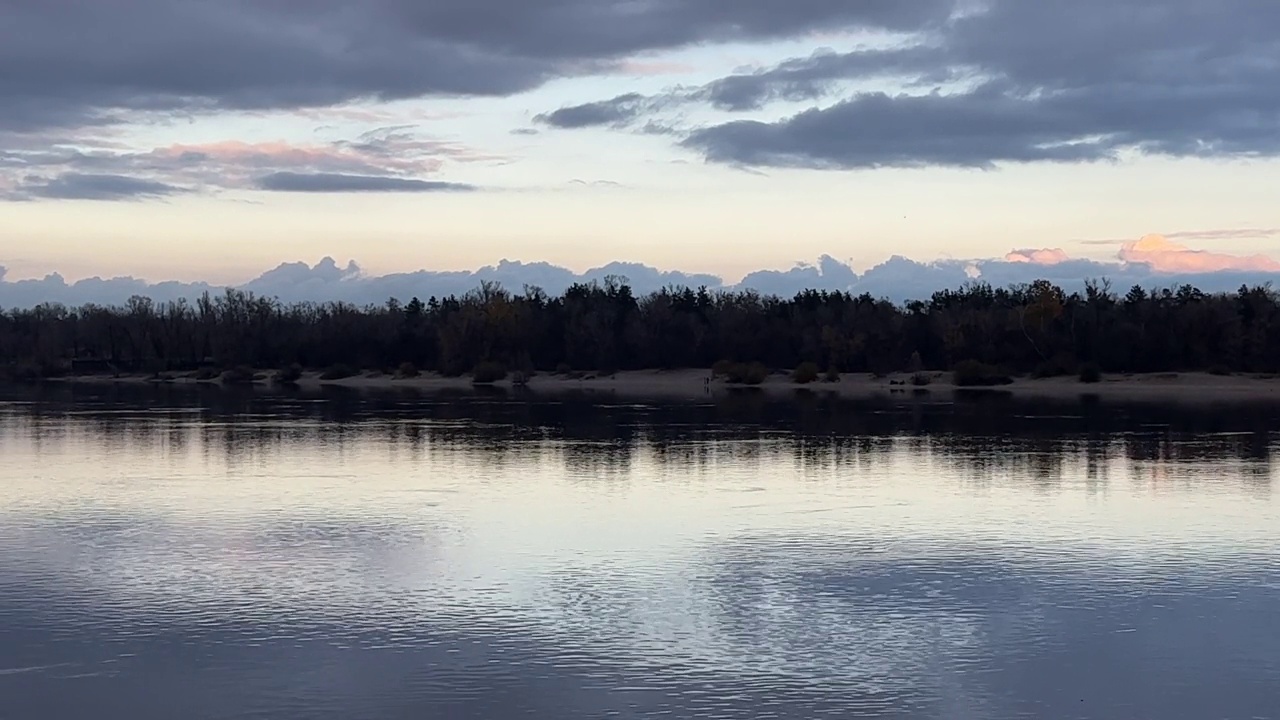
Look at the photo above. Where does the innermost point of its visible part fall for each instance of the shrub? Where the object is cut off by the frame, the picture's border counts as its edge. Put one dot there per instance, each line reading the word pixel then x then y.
pixel 289 375
pixel 152 367
pixel 407 370
pixel 722 368
pixel 54 369
pixel 1219 370
pixel 487 373
pixel 23 372
pixel 1056 367
pixel 338 371
pixel 524 364
pixel 921 379
pixel 563 369
pixel 1090 373
pixel 915 364
pixel 972 373
pixel 239 375
pixel 205 374
pixel 806 373
pixel 832 375
pixel 747 374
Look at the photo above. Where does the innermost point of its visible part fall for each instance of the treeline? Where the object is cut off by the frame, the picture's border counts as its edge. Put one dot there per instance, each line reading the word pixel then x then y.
pixel 1031 329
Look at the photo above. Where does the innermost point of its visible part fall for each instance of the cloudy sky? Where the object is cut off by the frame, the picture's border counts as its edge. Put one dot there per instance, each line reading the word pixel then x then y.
pixel 208 140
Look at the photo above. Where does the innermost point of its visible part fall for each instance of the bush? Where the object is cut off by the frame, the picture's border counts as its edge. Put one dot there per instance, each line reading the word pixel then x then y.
pixel 54 369
pixel 1090 373
pixel 806 373
pixel 487 373
pixel 1219 370
pixel 1056 367
pixel 722 368
pixel 747 374
pixel 407 370
pixel 524 364
pixel 972 373
pixel 153 367
pixel 563 369
pixel 289 375
pixel 239 375
pixel 832 375
pixel 23 372
pixel 205 374
pixel 338 372
pixel 921 379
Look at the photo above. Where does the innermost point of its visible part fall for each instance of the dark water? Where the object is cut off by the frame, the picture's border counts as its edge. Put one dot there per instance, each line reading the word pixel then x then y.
pixel 218 555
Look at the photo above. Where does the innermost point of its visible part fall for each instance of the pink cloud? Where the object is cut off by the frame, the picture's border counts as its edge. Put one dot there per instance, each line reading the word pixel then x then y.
pixel 1211 234
pixel 1042 256
pixel 1166 256
pixel 1225 234
pixel 329 158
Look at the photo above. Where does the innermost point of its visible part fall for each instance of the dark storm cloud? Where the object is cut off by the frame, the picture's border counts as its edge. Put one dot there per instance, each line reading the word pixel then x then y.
pixel 340 183
pixel 1021 82
pixel 76 186
pixel 975 129
pixel 81 62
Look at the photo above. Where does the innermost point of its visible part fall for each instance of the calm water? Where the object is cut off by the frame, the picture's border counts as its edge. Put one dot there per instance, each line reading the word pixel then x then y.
pixel 244 556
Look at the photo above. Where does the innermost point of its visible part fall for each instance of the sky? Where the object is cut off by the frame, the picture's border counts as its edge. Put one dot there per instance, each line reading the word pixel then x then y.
pixel 208 141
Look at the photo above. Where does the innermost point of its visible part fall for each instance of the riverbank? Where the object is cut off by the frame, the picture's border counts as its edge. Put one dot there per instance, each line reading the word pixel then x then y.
pixel 695 384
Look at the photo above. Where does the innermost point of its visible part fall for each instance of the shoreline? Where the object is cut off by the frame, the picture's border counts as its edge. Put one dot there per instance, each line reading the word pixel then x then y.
pixel 1194 387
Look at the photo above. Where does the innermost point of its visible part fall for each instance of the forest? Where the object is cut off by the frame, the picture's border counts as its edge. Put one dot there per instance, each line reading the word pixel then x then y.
pixel 1035 329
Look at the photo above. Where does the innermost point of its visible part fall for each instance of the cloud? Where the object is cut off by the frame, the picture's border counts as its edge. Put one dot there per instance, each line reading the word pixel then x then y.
pixel 396 154
pixel 1165 256
pixel 616 112
pixel 1225 234
pixel 875 130
pixel 611 184
pixel 1014 82
pixel 76 186
pixel 89 63
pixel 340 183
pixel 1044 256
pixel 815 77
pixel 898 278
pixel 649 68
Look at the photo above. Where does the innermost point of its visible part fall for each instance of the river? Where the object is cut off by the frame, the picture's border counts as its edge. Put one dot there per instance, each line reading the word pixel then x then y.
pixel 221 554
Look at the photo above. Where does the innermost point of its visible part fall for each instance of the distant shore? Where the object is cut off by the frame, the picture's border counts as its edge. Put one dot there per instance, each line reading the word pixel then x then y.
pixel 695 384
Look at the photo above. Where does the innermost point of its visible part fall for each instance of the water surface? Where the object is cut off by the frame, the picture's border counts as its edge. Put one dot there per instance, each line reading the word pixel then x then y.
pixel 171 554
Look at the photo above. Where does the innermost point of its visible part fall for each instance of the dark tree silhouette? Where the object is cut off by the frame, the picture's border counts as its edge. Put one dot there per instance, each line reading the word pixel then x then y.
pixel 1036 329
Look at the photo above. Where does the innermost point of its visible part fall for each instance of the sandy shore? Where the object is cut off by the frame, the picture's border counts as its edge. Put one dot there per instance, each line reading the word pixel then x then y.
pixel 694 385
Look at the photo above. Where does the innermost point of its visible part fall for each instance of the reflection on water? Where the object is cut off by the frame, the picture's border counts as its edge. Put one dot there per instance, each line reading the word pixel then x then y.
pixel 223 555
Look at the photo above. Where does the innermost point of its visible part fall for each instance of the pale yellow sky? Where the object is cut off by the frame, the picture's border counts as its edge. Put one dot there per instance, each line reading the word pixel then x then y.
pixel 712 219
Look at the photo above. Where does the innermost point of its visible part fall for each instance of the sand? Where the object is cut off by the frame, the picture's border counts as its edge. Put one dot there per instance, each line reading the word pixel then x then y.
pixel 694 385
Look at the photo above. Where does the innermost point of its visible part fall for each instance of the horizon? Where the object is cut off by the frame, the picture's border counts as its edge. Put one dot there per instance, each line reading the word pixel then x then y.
pixel 1152 262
